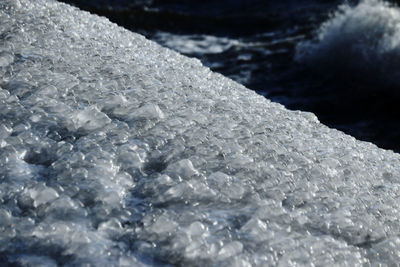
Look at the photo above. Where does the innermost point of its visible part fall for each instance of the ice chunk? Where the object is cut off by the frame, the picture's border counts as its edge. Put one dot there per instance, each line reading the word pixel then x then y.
pixel 229 250
pixel 111 228
pixel 42 194
pixel 4 131
pixel 220 179
pixel 88 119
pixel 387 251
pixel 5 218
pixel 5 59
pixel 196 229
pixel 163 225
pixel 148 111
pixel 129 154
pixel 256 230
pixel 64 207
pixel 183 169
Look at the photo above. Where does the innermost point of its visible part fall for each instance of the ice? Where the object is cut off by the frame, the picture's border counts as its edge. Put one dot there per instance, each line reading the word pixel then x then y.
pixel 230 250
pixel 111 228
pixel 4 131
pixel 6 218
pixel 163 225
pixel 88 119
pixel 220 179
pixel 116 151
pixel 149 111
pixel 42 194
pixel 66 208
pixel 182 169
pixel 196 229
pixel 5 59
pixel 35 260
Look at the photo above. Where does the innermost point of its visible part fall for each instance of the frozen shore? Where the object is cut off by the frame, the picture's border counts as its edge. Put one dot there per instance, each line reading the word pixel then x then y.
pixel 116 151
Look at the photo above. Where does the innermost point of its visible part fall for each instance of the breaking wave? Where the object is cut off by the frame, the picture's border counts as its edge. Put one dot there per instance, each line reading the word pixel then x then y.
pixel 358 43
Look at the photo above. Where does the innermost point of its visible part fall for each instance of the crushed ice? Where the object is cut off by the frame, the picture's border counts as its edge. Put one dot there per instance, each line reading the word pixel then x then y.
pixel 116 151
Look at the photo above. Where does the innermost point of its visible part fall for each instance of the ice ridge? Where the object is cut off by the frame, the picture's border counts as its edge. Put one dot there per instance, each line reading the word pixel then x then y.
pixel 115 151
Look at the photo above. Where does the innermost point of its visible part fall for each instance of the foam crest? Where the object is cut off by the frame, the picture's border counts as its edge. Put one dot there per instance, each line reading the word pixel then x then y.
pixel 195 44
pixel 360 42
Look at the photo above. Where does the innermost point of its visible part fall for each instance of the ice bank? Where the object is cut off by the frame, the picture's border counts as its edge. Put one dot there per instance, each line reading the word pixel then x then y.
pixel 115 151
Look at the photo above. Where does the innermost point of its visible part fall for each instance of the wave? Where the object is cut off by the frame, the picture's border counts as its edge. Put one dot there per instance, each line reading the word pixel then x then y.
pixel 359 43
pixel 195 44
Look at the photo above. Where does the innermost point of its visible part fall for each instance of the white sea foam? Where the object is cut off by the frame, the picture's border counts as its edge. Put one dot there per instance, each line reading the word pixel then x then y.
pixel 115 151
pixel 192 44
pixel 361 42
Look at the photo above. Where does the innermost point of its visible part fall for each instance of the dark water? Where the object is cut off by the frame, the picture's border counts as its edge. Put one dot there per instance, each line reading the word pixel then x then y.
pixel 344 76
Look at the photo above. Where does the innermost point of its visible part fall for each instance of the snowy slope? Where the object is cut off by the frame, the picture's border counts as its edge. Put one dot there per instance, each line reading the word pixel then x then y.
pixel 116 151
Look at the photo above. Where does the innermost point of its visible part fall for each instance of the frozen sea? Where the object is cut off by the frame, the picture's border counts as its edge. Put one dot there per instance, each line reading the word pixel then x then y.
pixel 116 151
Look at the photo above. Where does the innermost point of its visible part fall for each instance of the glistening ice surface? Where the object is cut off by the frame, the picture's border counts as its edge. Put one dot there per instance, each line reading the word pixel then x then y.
pixel 116 151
